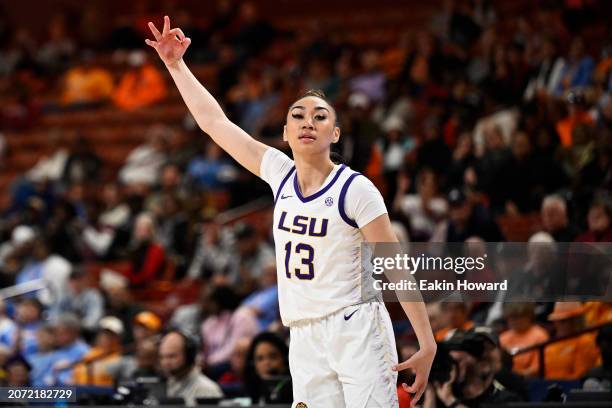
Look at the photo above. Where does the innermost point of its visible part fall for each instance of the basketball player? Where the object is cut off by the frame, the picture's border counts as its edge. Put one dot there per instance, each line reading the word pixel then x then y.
pixel 342 349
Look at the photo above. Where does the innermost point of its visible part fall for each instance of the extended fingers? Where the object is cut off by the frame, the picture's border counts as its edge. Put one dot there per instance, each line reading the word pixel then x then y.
pixel 155 31
pixel 166 25
pixel 151 43
pixel 402 366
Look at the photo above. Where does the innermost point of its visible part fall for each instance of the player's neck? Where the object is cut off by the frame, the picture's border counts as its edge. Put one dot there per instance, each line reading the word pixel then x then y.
pixel 312 172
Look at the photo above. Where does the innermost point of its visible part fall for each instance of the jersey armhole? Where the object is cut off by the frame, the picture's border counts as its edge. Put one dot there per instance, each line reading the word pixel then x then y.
pixel 342 199
pixel 282 184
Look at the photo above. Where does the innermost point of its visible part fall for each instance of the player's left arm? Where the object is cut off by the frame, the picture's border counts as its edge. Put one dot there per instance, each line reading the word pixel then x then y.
pixel 379 230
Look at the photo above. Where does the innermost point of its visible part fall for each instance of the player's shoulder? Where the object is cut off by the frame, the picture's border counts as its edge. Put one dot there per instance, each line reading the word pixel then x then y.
pixel 357 182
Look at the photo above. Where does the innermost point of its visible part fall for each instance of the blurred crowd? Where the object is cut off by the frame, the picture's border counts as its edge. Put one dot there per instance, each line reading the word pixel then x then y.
pixel 480 114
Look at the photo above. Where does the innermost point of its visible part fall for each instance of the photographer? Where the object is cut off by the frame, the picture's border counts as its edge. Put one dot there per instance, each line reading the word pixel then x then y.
pixel 463 374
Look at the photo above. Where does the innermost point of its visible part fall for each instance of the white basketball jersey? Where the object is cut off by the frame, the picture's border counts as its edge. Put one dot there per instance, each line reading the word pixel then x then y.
pixel 317 238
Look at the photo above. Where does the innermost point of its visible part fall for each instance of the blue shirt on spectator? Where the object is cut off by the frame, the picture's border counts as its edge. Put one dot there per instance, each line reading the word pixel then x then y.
pixel 8 332
pixel 67 356
pixel 266 303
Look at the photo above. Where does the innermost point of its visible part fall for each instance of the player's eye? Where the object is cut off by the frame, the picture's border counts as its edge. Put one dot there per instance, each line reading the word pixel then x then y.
pixel 297 116
pixel 320 117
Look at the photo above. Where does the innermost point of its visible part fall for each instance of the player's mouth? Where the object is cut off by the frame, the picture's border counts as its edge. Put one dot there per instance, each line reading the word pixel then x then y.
pixel 306 137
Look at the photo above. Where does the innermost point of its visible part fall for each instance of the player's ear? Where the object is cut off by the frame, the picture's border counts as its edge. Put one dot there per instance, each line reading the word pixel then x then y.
pixel 285 133
pixel 336 135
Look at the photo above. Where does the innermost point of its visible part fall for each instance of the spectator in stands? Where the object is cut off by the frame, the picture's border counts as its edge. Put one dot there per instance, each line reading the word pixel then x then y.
pixel 141 85
pixel 107 228
pixel 547 74
pixel 51 167
pixel 232 381
pixel 361 131
pixel 86 85
pixel 600 378
pixel 264 301
pixel 493 153
pixel 225 323
pixel 212 171
pixel 53 269
pixel 81 299
pixel 247 265
pixel 500 362
pixel 42 361
pixel 571 358
pixel 28 316
pixel 119 302
pixel 94 367
pixel 115 212
pixel 523 332
pixel 518 179
pixel 466 220
pixel 463 163
pixel 541 278
pixel 71 348
pixel 170 183
pixel 212 253
pixel 188 318
pixel 17 371
pixel 174 230
pixel 146 325
pixel 266 373
pixel 143 164
pixel 455 317
pixel 8 328
pixel 82 164
pixel 433 152
pixel 577 70
pixel 177 355
pixel 578 114
pixel 472 380
pixel 599 220
pixel 425 209
pixel 147 257
pixel 555 220
pixel 62 229
pixel 371 79
pixel 143 363
pixel 394 146
pixel 59 49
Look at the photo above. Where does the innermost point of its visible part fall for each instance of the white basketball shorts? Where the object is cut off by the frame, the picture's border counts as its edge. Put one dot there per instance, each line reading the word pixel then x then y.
pixel 344 360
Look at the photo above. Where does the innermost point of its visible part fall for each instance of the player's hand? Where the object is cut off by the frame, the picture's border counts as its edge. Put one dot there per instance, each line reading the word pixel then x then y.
pixel 420 363
pixel 170 44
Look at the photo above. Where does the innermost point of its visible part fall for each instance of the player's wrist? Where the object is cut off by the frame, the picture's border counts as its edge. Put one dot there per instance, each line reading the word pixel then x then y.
pixel 174 65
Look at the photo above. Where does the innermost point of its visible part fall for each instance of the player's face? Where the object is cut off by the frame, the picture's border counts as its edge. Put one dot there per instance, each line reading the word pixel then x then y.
pixel 311 126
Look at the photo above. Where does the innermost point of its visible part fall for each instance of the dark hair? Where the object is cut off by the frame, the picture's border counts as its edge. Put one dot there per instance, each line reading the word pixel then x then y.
pixel 225 297
pixel 254 384
pixel 318 93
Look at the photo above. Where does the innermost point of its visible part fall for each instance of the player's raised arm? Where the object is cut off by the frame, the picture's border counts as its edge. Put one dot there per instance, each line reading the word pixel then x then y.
pixel 171 45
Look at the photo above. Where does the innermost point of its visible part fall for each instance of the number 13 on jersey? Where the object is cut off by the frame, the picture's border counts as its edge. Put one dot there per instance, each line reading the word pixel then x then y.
pixel 306 252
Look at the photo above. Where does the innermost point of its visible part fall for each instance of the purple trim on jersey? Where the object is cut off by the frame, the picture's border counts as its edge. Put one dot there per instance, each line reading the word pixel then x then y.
pixel 345 187
pixel 282 184
pixel 319 193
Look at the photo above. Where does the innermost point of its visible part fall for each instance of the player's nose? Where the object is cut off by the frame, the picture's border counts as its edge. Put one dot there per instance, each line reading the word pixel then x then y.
pixel 307 124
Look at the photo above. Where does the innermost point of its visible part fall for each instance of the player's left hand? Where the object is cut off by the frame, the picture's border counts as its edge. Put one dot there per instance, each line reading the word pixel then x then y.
pixel 420 363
